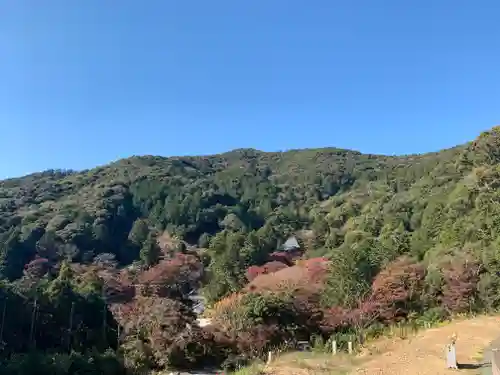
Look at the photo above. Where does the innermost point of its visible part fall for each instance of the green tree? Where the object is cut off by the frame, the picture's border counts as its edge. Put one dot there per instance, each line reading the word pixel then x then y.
pixel 139 233
pixel 150 252
pixel 13 255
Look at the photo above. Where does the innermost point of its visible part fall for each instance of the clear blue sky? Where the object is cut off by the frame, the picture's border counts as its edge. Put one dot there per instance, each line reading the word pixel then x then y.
pixel 85 82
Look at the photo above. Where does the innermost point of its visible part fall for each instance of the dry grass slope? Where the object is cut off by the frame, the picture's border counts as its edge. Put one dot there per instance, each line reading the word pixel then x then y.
pixel 422 354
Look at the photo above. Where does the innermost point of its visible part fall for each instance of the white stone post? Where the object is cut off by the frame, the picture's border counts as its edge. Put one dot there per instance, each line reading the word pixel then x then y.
pixel 269 357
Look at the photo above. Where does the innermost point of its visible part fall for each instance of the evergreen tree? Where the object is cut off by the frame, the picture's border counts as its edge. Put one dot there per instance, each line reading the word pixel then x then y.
pixel 150 252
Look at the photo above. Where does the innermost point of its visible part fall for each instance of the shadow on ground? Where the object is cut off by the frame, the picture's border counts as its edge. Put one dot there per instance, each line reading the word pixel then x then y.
pixel 472 366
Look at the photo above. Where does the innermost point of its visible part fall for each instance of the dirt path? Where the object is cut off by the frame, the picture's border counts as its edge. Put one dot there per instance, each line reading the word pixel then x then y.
pixel 424 354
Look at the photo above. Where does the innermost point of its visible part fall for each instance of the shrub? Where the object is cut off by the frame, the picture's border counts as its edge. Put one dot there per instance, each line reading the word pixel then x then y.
pixel 460 286
pixel 259 321
pixel 270 267
pixel 433 315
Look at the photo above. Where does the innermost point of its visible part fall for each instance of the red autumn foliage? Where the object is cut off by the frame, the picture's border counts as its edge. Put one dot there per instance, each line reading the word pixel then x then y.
pixel 151 313
pixel 273 326
pixel 253 272
pixel 212 348
pixel 183 271
pixel 397 290
pixel 273 266
pixel 460 285
pixel 37 268
pixel 161 324
pixel 314 261
pixel 270 267
pixel 395 293
pixel 308 279
pixel 335 317
pixel 181 265
pixel 259 339
pixel 249 343
pixel 316 266
pixel 338 318
pixel 369 312
pixel 166 331
pixel 117 291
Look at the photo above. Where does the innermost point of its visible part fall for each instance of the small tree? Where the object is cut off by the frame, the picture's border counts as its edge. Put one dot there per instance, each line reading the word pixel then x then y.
pixel 150 252
pixel 460 287
pixel 397 290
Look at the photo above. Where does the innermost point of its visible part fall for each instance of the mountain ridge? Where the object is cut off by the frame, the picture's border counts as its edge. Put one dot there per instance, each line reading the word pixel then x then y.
pixel 94 211
pixel 243 150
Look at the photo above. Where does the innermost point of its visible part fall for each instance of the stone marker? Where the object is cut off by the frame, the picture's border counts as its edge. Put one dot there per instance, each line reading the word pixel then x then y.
pixel 451 356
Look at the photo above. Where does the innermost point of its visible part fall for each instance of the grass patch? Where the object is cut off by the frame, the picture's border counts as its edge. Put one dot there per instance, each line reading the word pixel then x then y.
pixel 254 369
pixel 316 363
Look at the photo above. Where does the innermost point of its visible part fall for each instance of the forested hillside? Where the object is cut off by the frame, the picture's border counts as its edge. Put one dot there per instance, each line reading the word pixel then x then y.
pixel 61 214
pixel 420 229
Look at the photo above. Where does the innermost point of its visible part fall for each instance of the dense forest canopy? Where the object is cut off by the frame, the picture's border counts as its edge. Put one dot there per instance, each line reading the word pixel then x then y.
pixel 384 222
pixel 60 214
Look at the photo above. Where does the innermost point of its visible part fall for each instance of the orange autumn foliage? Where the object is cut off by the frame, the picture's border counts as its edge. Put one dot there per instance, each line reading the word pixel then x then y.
pixel 308 275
